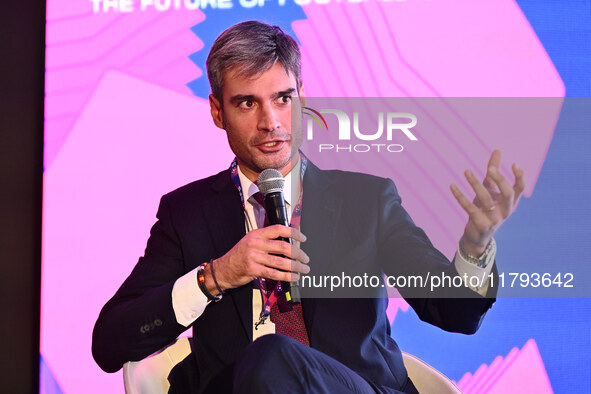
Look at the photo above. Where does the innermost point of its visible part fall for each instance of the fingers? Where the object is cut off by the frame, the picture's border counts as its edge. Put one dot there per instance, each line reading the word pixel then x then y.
pixel 259 254
pixel 270 258
pixel 519 185
pixel 495 159
pixel 268 242
pixel 468 206
pixel 495 162
pixel 494 202
pixel 287 250
pixel 282 264
pixel 510 194
pixel 255 242
pixel 280 255
pixel 482 194
pixel 507 192
pixel 277 230
pixel 479 223
pixel 270 273
pixel 275 267
pixel 496 190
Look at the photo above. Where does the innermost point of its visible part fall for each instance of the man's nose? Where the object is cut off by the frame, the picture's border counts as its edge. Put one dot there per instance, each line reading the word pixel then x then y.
pixel 268 119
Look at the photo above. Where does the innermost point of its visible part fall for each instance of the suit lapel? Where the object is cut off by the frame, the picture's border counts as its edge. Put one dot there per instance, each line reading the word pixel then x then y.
pixel 225 219
pixel 321 212
pixel 224 213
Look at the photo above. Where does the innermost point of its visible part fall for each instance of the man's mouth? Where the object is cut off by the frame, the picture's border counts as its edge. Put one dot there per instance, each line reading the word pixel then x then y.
pixel 271 146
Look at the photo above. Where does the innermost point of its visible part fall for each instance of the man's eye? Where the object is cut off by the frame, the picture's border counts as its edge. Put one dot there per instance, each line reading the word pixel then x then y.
pixel 246 104
pixel 285 99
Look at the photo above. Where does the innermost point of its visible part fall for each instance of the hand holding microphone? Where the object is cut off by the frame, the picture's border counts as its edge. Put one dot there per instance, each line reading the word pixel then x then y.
pixel 270 184
pixel 265 252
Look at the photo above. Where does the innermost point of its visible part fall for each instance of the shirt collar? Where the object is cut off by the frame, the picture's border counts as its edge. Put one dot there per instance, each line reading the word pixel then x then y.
pixel 290 191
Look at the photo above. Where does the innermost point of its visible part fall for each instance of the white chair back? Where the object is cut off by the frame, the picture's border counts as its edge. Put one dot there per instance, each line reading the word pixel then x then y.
pixel 427 379
pixel 150 375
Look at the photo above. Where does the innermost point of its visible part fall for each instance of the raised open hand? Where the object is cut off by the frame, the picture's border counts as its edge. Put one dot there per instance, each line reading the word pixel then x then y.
pixel 495 200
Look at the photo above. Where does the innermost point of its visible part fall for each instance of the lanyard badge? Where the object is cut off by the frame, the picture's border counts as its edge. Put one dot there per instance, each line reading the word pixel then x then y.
pixel 271 296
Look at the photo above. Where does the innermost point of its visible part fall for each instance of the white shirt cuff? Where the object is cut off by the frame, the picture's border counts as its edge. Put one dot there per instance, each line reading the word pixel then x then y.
pixel 473 274
pixel 188 301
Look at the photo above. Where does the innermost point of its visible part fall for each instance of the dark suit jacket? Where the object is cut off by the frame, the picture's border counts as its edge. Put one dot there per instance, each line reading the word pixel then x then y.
pixel 354 224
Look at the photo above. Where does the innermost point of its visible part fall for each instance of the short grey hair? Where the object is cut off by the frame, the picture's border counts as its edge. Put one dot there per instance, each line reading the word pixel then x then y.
pixel 251 48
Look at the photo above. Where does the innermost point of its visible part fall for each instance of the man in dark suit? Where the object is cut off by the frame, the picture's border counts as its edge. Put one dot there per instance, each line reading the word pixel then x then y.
pixel 209 245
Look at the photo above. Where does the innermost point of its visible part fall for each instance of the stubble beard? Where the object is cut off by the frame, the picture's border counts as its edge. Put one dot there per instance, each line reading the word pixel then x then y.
pixel 259 163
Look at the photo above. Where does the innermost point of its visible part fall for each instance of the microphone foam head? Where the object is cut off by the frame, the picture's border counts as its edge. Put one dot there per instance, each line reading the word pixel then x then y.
pixel 270 180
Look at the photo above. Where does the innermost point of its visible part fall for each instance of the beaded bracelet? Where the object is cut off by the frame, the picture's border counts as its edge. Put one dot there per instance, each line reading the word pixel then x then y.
pixel 201 283
pixel 214 278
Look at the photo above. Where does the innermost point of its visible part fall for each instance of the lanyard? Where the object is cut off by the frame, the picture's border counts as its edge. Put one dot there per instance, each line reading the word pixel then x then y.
pixel 269 296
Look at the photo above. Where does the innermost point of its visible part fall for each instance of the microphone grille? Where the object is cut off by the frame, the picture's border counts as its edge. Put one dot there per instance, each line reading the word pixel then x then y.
pixel 270 180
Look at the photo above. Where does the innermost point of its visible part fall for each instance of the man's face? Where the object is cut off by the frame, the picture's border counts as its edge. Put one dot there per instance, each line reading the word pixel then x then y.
pixel 256 115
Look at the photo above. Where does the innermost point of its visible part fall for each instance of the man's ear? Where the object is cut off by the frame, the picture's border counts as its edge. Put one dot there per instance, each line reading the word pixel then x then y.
pixel 302 95
pixel 216 111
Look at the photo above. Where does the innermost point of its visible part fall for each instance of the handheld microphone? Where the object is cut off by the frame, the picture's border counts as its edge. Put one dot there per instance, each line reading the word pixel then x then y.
pixel 270 183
